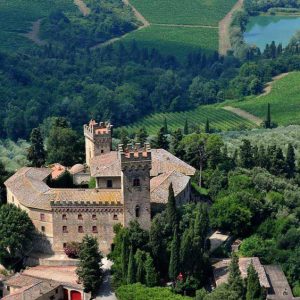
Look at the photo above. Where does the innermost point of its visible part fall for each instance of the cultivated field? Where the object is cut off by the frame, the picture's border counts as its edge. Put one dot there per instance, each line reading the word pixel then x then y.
pixel 284 99
pixel 179 27
pixel 177 41
pixel 220 120
pixel 184 12
pixel 16 17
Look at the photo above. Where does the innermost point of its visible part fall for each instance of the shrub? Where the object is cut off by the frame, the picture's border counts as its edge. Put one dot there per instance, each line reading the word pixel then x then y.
pixel 72 249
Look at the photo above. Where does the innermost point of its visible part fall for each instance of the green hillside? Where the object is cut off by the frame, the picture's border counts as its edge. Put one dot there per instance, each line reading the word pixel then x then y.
pixel 16 17
pixel 284 99
pixel 219 119
pixel 184 12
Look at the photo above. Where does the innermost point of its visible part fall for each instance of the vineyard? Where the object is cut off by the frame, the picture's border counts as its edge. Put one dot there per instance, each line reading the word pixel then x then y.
pixel 284 99
pixel 177 41
pixel 219 119
pixel 184 12
pixel 16 17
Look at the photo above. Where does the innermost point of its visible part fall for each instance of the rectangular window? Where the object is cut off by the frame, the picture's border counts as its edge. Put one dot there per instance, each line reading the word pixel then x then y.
pixel 42 217
pixel 64 217
pixel 115 217
pixel 65 229
pixel 43 229
pixel 80 217
pixel 94 217
pixel 95 230
pixel 109 184
pixel 80 229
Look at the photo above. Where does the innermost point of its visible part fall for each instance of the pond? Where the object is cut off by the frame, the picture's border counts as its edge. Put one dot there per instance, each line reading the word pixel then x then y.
pixel 262 30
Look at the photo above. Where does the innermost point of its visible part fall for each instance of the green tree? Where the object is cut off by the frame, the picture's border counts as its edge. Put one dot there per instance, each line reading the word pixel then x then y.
pixel 161 140
pixel 207 127
pixel 141 136
pixel 172 214
pixel 124 257
pixel 89 267
pixel 268 121
pixel 254 290
pixel 166 126
pixel 3 176
pixel 176 146
pixel 151 275
pixel 235 280
pixel 124 140
pixel 16 232
pixel 186 127
pixel 246 155
pixel 139 258
pixel 63 145
pixel 36 152
pixel 131 276
pixel 174 257
pixel 290 161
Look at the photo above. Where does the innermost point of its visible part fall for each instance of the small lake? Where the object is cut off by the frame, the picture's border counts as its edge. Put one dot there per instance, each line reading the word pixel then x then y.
pixel 262 30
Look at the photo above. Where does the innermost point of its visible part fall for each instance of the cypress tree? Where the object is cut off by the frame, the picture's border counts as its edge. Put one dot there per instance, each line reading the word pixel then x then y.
pixel 172 215
pixel 165 125
pixel 176 147
pixel 161 140
pixel 140 268
pixel 124 140
pixel 36 152
pixel 254 290
pixel 268 121
pixel 89 267
pixel 124 257
pixel 141 136
pixel 246 155
pixel 151 275
pixel 207 127
pixel 131 268
pixel 186 127
pixel 235 280
pixel 290 161
pixel 174 257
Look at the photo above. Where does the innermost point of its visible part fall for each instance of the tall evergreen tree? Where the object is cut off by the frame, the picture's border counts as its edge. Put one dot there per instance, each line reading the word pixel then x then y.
pixel 290 161
pixel 124 140
pixel 172 214
pixel 246 155
pixel 141 136
pixel 36 152
pixel 268 122
pixel 174 257
pixel 89 267
pixel 278 165
pixel 3 176
pixel 186 127
pixel 254 290
pixel 124 257
pixel 161 139
pixel 235 280
pixel 176 147
pixel 140 257
pixel 151 275
pixel 131 276
pixel 207 126
pixel 166 126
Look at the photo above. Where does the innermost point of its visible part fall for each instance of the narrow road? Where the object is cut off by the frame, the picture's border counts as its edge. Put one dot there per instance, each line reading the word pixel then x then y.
pixel 106 291
pixel 85 10
pixel 268 87
pixel 224 39
pixel 244 114
pixel 184 25
pixel 33 34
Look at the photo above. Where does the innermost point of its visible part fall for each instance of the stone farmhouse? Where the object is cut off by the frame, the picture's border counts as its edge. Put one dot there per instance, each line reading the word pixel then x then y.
pixel 131 184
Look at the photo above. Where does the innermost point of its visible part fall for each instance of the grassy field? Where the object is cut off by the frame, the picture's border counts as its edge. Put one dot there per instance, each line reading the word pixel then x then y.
pixel 16 17
pixel 177 41
pixel 284 99
pixel 220 120
pixel 184 12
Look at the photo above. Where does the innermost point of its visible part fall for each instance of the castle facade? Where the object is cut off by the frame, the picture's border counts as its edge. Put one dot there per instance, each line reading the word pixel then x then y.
pixel 130 185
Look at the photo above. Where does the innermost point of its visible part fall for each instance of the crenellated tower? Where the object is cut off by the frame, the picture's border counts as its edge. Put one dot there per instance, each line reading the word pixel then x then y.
pixel 98 139
pixel 136 164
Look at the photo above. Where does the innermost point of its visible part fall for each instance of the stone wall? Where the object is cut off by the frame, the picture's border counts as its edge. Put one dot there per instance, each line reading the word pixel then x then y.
pixel 72 217
pixel 101 182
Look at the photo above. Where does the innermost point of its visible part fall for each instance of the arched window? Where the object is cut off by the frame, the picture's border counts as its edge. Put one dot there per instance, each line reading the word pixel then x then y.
pixel 136 182
pixel 80 229
pixel 137 211
pixel 94 229
pixel 80 217
pixel 64 217
pixel 94 217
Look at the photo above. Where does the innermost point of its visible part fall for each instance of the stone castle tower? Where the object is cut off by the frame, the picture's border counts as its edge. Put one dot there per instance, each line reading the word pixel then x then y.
pixel 136 164
pixel 98 139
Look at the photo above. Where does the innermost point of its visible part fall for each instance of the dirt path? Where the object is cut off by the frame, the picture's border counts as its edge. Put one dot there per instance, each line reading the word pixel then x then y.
pixel 82 7
pixel 244 114
pixel 183 25
pixel 224 40
pixel 268 87
pixel 138 15
pixel 33 34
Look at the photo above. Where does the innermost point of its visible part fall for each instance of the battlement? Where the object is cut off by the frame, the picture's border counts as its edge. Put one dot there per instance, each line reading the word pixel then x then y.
pixel 85 203
pixel 94 129
pixel 134 153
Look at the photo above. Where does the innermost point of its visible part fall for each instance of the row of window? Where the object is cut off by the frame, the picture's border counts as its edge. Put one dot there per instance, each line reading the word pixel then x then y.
pixel 79 217
pixel 109 183
pixel 80 229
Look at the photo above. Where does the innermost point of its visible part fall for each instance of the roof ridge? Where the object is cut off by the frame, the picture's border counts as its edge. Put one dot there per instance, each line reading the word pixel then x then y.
pixel 170 173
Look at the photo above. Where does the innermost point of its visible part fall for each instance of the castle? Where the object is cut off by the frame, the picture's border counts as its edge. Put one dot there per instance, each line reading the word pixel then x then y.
pixel 131 184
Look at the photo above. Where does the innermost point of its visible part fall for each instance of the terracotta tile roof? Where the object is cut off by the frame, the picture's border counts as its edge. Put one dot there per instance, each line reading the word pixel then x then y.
pixel 87 195
pixel 19 280
pixel 221 270
pixel 66 275
pixel 57 170
pixel 108 165
pixel 28 187
pixel 160 185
